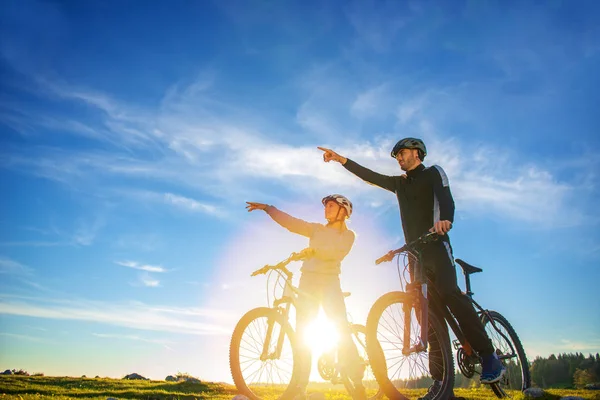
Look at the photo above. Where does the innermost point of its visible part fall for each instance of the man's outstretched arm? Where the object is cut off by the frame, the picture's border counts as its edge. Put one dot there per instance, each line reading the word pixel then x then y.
pixel 372 177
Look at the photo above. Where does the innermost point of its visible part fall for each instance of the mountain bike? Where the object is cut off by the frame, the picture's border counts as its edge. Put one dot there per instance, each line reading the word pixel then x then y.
pixel 402 325
pixel 264 347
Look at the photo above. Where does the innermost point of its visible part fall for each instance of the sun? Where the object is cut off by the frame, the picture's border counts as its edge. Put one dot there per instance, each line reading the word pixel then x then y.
pixel 321 335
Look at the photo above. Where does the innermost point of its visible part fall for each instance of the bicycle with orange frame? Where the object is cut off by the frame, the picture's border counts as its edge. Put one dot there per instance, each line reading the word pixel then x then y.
pixel 402 324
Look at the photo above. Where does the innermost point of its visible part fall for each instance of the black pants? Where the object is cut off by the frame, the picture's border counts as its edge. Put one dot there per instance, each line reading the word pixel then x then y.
pixel 324 290
pixel 438 261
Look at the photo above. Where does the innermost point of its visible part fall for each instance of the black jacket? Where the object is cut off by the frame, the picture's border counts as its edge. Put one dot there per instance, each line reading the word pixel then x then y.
pixel 423 196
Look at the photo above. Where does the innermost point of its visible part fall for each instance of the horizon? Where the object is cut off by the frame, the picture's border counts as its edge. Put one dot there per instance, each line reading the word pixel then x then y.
pixel 132 136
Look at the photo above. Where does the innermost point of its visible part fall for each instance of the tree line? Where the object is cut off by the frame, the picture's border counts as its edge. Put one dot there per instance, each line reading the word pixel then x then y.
pixel 565 370
pixel 562 371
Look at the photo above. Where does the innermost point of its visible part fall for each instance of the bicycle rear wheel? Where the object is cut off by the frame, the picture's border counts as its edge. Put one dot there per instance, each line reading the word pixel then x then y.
pixel 359 336
pixel 401 375
pixel 257 367
pixel 509 349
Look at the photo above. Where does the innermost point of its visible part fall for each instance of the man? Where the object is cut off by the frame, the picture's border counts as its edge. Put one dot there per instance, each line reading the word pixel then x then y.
pixel 426 204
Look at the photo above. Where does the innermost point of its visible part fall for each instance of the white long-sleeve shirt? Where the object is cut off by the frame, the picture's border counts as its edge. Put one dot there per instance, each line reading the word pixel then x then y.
pixel 330 244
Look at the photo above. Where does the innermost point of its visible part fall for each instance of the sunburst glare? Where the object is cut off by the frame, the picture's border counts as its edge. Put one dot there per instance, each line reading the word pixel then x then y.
pixel 321 335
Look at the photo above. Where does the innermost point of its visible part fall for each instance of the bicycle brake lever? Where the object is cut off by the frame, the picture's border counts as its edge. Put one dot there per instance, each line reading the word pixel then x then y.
pixel 388 257
pixel 263 270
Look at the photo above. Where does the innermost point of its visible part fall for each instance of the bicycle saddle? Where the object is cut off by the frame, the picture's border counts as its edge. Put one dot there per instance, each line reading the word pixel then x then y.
pixel 467 268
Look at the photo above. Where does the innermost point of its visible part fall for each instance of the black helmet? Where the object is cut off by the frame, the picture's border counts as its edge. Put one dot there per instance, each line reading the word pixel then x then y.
pixel 410 143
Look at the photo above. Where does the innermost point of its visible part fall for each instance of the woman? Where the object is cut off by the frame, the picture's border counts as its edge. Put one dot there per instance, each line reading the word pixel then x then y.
pixel 320 279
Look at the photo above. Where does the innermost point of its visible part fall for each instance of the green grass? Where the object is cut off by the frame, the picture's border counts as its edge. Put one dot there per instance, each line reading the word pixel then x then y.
pixel 36 387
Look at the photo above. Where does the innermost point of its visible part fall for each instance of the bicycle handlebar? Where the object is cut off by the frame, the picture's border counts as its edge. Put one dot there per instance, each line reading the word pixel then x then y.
pixel 426 238
pixel 281 266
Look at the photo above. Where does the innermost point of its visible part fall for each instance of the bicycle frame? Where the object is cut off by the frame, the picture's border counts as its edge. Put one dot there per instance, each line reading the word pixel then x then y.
pixel 425 298
pixel 418 289
pixel 288 298
pixel 282 305
pixel 421 306
pixel 453 323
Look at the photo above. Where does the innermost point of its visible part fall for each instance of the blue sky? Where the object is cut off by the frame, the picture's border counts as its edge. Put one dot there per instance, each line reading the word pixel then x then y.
pixel 132 134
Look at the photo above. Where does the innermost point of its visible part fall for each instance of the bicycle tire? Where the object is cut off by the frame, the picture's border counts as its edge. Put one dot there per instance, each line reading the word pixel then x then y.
pixel 377 354
pixel 517 376
pixel 252 390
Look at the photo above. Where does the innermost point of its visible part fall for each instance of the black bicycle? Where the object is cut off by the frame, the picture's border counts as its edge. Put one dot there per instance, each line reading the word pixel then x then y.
pixel 407 335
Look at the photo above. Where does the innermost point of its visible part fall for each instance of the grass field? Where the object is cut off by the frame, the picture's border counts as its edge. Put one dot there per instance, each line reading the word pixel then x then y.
pixel 14 387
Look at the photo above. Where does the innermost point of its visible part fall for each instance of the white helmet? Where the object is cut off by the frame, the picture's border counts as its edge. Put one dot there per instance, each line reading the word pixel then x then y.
pixel 341 200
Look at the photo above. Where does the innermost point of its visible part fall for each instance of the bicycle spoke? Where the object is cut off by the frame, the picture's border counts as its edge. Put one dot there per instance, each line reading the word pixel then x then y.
pixel 249 379
pixel 502 341
pixel 247 367
pixel 391 343
pixel 399 369
pixel 412 370
pixel 421 363
pixel 400 320
pixel 249 343
pixel 253 343
pixel 390 327
pixel 279 375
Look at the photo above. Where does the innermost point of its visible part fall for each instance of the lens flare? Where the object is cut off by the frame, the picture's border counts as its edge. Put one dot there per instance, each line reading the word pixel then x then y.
pixel 321 335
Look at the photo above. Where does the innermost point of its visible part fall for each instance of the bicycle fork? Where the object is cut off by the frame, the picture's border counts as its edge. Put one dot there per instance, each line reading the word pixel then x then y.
pixel 265 355
pixel 421 306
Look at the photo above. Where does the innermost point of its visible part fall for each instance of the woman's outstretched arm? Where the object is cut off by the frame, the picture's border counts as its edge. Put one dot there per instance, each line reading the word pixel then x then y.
pixel 292 224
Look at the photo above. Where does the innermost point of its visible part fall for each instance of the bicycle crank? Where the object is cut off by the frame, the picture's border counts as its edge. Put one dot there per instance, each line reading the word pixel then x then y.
pixel 466 363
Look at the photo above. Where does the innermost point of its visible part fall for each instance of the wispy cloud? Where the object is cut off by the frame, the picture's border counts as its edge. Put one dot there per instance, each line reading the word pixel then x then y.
pixel 83 233
pixel 124 125
pixel 485 180
pixel 86 232
pixel 369 102
pixel 145 279
pixel 13 270
pixel 143 267
pixel 175 200
pixel 373 29
pixel 189 204
pixel 143 241
pixel 12 267
pixel 210 147
pixel 409 108
pixel 529 195
pixel 136 338
pixel 23 337
pixel 315 120
pixel 149 281
pixel 34 243
pixel 134 315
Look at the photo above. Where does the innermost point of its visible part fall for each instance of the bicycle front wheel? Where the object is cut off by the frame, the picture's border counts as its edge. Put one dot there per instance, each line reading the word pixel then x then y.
pixel 509 349
pixel 262 354
pixel 403 374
